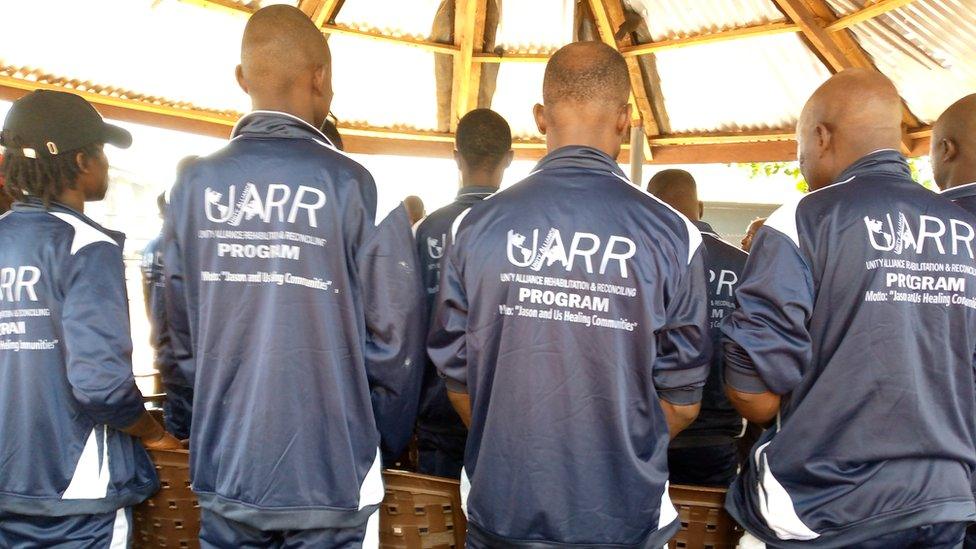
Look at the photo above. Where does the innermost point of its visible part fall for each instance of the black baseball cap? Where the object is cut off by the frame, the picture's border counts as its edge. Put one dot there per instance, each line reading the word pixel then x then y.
pixel 46 123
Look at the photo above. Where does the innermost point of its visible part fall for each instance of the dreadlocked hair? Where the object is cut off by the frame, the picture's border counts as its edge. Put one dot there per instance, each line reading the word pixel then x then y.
pixel 44 177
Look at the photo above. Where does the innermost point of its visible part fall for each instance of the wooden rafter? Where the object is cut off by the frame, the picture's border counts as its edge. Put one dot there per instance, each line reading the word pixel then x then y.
pixel 469 29
pixel 870 11
pixel 427 45
pixel 609 14
pixel 320 11
pixel 226 5
pixel 765 29
pixel 839 50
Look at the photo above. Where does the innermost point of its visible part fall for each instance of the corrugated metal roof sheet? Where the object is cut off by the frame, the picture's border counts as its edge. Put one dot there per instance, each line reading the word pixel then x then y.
pixel 169 49
pixel 928 48
pixel 672 19
pixel 392 17
pixel 177 51
pixel 535 26
pixel 739 85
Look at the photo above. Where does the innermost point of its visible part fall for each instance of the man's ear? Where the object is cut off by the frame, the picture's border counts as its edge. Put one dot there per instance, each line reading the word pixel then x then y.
pixel 457 160
pixel 239 74
pixel 539 112
pixel 623 119
pixel 948 149
pixel 824 138
pixel 509 156
pixel 701 209
pixel 83 161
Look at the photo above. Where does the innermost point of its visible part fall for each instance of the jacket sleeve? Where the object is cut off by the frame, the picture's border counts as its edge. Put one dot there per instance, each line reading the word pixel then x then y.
pixel 175 295
pixel 685 347
pixel 766 340
pixel 95 321
pixel 396 320
pixel 449 325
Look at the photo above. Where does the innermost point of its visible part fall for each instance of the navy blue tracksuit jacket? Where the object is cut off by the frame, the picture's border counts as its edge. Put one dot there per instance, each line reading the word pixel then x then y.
pixel 179 395
pixel 437 419
pixel 858 306
pixel 570 304
pixel 718 423
pixel 963 195
pixel 299 317
pixel 66 383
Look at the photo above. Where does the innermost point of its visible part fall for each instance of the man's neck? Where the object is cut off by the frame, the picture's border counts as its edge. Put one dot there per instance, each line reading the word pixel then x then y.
pixel 72 199
pixel 305 112
pixel 605 144
pixel 961 177
pixel 480 179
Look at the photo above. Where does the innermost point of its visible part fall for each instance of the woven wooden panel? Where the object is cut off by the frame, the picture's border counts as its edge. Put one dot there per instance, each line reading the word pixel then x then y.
pixel 171 518
pixel 421 512
pixel 704 522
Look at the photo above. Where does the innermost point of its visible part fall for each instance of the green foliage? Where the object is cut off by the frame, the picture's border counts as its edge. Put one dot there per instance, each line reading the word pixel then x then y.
pixel 921 172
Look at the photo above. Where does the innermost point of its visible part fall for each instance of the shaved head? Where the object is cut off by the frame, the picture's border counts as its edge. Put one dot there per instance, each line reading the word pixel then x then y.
pixel 586 72
pixel 415 208
pixel 678 189
pixel 285 59
pixel 854 113
pixel 585 93
pixel 954 144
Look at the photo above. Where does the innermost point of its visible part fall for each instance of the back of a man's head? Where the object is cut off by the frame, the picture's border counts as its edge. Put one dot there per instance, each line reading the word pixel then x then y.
pixel 285 61
pixel 483 141
pixel 854 113
pixel 415 208
pixel 678 189
pixel 585 92
pixel 953 151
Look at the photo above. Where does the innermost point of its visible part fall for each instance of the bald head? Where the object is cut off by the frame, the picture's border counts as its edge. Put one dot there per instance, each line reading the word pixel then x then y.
pixel 854 113
pixel 415 208
pixel 585 73
pixel 585 91
pixel 678 189
pixel 285 61
pixel 954 144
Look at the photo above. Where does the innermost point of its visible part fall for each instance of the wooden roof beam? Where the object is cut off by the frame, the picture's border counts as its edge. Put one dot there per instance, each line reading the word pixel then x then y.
pixel 839 50
pixel 427 45
pixel 320 11
pixel 765 29
pixel 608 16
pixel 469 29
pixel 870 11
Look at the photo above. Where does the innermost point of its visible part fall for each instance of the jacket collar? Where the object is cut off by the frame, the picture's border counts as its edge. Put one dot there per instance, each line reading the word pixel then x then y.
pixel 277 124
pixel 577 157
pixel 960 191
pixel 37 205
pixel 885 161
pixel 704 227
pixel 474 193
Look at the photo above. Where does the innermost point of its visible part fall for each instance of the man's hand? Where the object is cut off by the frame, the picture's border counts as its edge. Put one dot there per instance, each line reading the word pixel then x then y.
pixel 165 442
pixel 759 408
pixel 462 404
pixel 679 417
pixel 152 434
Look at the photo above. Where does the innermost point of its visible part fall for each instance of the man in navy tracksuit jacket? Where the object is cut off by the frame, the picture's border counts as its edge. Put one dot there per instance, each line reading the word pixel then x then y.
pixel 296 311
pixel 705 454
pixel 179 396
pixel 70 412
pixel 953 154
pixel 484 151
pixel 571 328
pixel 873 419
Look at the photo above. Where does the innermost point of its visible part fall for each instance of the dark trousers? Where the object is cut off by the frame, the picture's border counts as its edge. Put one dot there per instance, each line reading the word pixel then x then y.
pixel 218 532
pixel 440 455
pixel 970 537
pixel 703 466
pixel 177 410
pixel 108 531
